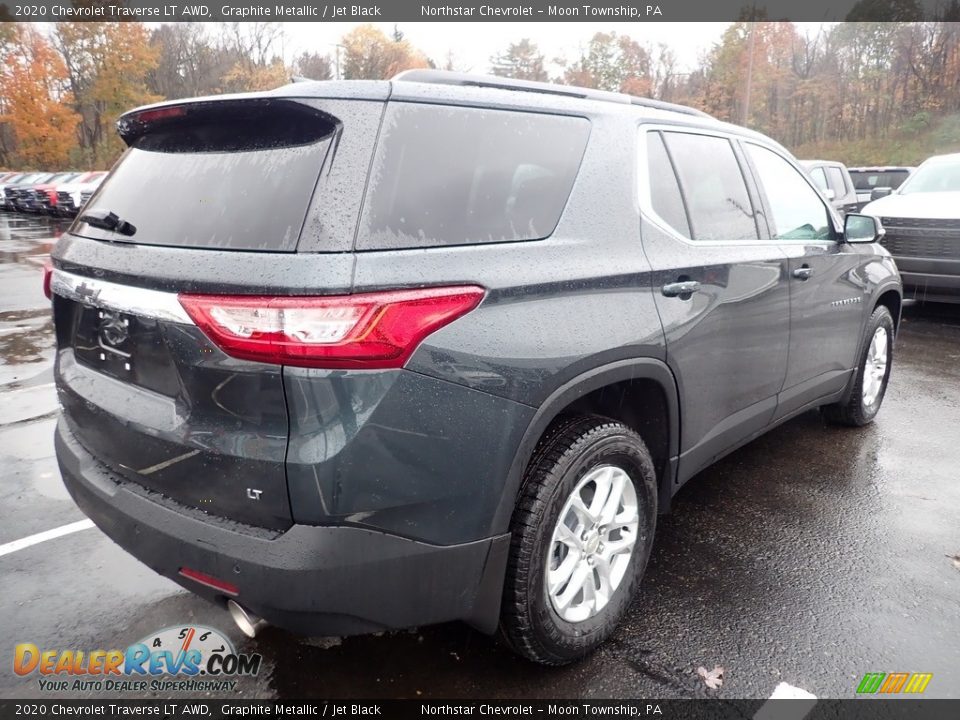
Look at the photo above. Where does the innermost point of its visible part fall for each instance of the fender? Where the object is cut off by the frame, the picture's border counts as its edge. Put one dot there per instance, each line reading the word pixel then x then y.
pixel 633 369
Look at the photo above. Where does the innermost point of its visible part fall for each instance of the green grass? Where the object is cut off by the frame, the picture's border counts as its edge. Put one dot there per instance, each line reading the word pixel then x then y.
pixel 912 144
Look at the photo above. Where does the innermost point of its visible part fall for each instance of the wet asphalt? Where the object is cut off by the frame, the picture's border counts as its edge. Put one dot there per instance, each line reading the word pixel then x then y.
pixel 811 556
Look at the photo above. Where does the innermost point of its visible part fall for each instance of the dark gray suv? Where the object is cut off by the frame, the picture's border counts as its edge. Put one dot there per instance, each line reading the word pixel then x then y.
pixel 348 356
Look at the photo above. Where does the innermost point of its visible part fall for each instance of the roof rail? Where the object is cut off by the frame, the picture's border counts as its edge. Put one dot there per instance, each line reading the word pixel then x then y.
pixel 445 77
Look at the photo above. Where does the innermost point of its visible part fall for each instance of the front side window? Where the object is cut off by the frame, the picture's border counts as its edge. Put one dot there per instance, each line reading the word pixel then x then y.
pixel 797 211
pixel 713 187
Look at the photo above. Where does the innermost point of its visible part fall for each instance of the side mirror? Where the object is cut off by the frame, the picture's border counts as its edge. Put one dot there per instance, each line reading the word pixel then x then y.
pixel 880 192
pixel 862 229
pixel 830 194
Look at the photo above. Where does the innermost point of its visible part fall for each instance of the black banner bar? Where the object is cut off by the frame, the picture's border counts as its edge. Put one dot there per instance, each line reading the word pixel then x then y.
pixel 472 11
pixel 872 708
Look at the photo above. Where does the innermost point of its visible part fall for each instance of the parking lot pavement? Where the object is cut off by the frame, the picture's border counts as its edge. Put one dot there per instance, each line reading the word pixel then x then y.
pixel 811 556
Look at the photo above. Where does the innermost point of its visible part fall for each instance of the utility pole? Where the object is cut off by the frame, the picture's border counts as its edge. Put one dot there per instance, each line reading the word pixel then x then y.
pixel 746 100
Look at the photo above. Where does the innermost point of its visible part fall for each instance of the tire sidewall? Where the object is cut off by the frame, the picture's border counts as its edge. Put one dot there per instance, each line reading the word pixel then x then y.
pixel 621 451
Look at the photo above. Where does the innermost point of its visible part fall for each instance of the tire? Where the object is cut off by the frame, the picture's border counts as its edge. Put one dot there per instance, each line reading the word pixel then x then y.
pixel 587 454
pixel 865 397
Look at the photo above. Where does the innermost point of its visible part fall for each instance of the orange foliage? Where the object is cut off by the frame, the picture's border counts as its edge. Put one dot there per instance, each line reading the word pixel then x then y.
pixel 34 102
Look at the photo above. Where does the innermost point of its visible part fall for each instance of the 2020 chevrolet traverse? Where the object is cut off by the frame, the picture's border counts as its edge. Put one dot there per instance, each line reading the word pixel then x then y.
pixel 349 356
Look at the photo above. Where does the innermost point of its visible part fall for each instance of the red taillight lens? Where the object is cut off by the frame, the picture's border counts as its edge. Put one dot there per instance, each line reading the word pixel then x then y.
pixel 47 278
pixel 209 581
pixel 369 330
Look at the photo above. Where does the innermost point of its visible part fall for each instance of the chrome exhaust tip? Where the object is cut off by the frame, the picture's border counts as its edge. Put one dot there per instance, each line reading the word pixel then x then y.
pixel 248 623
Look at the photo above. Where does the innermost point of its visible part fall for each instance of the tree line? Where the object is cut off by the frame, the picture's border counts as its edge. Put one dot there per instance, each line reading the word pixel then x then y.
pixel 62 91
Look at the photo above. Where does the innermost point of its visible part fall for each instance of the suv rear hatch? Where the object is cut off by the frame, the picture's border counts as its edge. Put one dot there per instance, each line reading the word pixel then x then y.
pixel 212 197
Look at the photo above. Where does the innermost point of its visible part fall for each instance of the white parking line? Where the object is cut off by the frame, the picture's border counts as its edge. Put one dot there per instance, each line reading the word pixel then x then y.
pixel 26 542
pixel 787 711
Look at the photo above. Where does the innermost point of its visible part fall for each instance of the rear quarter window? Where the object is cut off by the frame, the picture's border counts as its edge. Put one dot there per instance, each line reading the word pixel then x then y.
pixel 462 176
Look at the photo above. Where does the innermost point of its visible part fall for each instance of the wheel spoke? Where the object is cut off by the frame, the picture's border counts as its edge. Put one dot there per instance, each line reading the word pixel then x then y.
pixel 573 587
pixel 603 592
pixel 571 538
pixel 603 484
pixel 557 578
pixel 614 498
pixel 582 512
pixel 623 544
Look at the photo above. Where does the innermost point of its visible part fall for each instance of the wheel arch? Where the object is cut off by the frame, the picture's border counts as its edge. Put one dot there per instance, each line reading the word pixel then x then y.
pixel 644 374
pixel 891 297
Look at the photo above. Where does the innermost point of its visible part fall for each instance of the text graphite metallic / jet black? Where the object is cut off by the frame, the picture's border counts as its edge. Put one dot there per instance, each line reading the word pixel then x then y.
pixel 350 356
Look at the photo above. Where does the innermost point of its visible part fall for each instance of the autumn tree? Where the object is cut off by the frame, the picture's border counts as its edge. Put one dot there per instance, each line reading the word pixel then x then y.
pixel 189 61
pixel 521 60
pixel 34 100
pixel 613 62
pixel 107 65
pixel 257 62
pixel 313 65
pixel 370 55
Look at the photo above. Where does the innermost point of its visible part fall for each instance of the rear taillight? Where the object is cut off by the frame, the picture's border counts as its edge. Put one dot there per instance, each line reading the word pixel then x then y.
pixel 47 279
pixel 367 331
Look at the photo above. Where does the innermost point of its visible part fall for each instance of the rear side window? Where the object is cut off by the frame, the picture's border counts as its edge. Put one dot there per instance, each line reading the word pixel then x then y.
pixel 461 176
pixel 713 187
pixel 837 181
pixel 220 175
pixel 865 180
pixel 819 178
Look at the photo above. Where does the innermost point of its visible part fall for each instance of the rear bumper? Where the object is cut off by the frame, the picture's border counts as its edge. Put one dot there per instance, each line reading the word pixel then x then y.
pixel 310 580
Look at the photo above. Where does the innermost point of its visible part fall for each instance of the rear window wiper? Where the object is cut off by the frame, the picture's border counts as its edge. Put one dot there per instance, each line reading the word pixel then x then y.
pixel 106 220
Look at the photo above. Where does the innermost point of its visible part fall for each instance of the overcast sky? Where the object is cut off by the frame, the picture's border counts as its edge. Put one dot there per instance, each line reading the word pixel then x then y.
pixel 473 43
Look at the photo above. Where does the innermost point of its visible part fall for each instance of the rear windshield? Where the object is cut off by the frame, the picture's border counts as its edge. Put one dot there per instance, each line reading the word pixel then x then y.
pixel 235 176
pixel 867 180
pixel 461 176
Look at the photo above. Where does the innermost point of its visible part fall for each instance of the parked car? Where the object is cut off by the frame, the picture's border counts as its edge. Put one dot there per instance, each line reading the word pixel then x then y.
pixel 8 180
pixel 72 196
pixel 922 220
pixel 43 196
pixel 835 183
pixel 873 183
pixel 19 194
pixel 458 373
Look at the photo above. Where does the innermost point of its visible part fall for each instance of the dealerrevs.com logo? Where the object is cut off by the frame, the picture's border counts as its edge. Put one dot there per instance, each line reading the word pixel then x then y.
pixel 190 658
pixel 893 683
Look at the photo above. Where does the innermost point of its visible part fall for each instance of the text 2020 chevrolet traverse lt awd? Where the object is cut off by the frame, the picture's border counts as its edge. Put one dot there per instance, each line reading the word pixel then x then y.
pixel 350 356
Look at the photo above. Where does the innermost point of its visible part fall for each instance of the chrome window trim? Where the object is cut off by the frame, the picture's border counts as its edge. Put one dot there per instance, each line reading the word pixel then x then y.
pixel 153 304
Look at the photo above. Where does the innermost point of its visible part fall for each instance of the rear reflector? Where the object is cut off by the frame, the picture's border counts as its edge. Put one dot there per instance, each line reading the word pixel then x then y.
pixel 209 581
pixel 364 331
pixel 47 278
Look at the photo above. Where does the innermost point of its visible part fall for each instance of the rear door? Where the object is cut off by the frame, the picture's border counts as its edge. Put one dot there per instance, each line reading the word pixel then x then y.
pixel 720 287
pixel 211 198
pixel 827 287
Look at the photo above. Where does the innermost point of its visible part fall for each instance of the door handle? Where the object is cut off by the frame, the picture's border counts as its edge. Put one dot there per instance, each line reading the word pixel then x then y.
pixel 679 289
pixel 803 272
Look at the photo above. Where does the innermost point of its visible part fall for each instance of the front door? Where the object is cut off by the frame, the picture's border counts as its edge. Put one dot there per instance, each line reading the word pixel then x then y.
pixel 720 287
pixel 827 285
